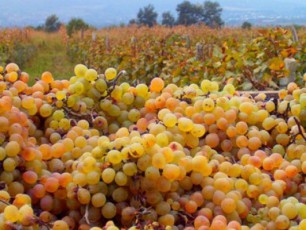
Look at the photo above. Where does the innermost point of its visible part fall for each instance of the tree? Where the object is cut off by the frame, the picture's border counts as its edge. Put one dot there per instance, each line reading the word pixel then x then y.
pixel 132 21
pixel 76 24
pixel 147 16
pixel 246 25
pixel 168 19
pixel 212 14
pixel 52 23
pixel 188 13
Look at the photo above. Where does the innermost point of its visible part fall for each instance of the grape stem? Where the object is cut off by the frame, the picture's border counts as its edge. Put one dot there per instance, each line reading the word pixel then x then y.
pixel 299 128
pixel 86 215
pixel 112 84
pixel 249 75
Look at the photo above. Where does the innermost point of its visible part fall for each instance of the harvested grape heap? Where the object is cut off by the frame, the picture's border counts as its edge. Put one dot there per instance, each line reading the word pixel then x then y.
pixel 90 153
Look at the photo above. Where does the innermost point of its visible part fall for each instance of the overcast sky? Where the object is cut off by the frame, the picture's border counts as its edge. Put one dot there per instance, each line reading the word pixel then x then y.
pixel 104 12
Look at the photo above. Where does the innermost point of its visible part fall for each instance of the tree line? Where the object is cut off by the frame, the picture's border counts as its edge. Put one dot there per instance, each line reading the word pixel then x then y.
pixel 208 13
pixel 53 24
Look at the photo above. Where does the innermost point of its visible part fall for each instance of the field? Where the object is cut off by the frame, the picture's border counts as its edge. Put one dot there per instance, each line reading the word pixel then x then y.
pixel 153 128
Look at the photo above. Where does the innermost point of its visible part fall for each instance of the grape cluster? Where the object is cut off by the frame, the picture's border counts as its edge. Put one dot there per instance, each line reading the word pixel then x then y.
pixel 88 153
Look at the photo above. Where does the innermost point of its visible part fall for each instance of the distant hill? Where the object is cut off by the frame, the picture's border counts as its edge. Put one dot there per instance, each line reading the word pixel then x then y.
pixel 102 13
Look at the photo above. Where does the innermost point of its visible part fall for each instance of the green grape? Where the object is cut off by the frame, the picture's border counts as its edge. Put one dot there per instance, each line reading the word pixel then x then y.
pixel 142 90
pixel 198 130
pixel 101 85
pixel 208 105
pixel 130 168
pixel 80 70
pixel 98 200
pixel 169 120
pixel 58 115
pixel 205 86
pixel 121 179
pixel 185 124
pixel 45 110
pixel 108 175
pixel 128 98
pixel 93 177
pixel 9 164
pixel 117 93
pixel 64 124
pixel 11 213
pixel 229 89
pixel 110 74
pixel 289 210
pixel 12 148
pixel 78 88
pixel 109 210
pixel 134 115
pixel 60 95
pixel 114 156
pixel 91 75
pixel 136 150
pixel 83 196
pixel 60 225
pixel 26 214
pixel 213 87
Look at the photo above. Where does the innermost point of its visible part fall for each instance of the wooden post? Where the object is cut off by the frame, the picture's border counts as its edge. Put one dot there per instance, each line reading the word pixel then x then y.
pixel 199 51
pixel 187 41
pixel 291 65
pixel 107 46
pixel 94 36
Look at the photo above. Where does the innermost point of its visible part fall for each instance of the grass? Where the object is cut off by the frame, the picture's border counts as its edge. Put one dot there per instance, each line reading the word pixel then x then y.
pixel 50 56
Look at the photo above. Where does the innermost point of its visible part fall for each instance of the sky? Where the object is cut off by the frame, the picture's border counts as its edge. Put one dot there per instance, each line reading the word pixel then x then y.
pixel 100 13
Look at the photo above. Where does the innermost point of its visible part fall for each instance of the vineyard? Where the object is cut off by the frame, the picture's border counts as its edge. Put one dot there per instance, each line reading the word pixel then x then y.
pixel 155 130
pixel 249 59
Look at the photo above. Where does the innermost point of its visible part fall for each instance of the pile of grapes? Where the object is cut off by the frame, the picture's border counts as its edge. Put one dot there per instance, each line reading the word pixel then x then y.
pixel 90 153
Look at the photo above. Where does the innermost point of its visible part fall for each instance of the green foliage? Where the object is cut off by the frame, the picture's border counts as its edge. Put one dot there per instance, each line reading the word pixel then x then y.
pixel 147 16
pixel 15 47
pixel 76 24
pixel 248 59
pixel 246 25
pixel 52 23
pixel 168 19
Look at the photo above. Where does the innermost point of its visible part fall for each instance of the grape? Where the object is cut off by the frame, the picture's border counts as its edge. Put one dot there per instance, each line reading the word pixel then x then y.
pixel 80 70
pixel 130 168
pixel 100 85
pixel 109 210
pixel 142 90
pixel 185 124
pixel 12 148
pixel 289 210
pixel 208 105
pixel 11 213
pixel 156 85
pixel 60 225
pixel 91 75
pixel 108 175
pixel 229 89
pixel 110 74
pixel 30 177
pixel 171 172
pixel 45 110
pixel 83 196
pixel 98 200
pixel 60 95
pixel 26 214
